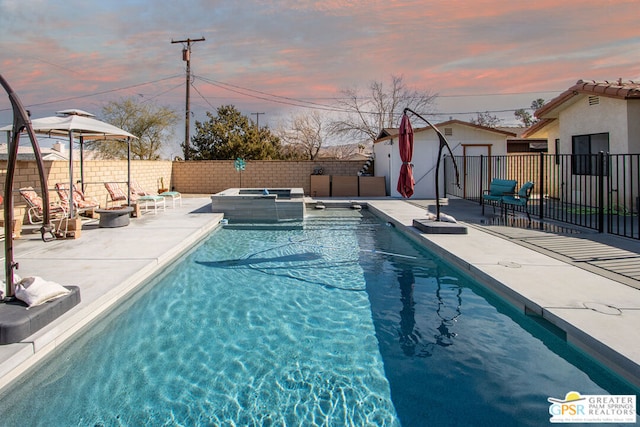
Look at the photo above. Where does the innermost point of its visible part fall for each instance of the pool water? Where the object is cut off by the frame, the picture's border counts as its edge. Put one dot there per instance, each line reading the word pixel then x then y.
pixel 341 321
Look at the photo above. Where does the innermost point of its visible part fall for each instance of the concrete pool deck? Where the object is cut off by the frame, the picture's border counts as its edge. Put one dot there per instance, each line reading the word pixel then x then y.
pixel 597 313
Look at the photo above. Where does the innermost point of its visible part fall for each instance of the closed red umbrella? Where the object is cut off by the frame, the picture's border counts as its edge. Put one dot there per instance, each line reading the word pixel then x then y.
pixel 405 145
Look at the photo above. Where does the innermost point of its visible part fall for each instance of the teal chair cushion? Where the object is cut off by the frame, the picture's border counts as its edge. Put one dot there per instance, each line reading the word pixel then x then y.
pixel 525 190
pixel 522 198
pixel 499 187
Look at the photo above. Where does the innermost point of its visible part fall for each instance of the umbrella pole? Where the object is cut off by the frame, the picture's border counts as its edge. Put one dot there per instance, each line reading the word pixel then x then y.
pixel 128 171
pixel 70 174
pixel 81 164
pixel 443 143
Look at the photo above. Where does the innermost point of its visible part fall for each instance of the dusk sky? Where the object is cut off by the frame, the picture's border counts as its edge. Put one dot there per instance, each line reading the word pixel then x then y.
pixel 277 56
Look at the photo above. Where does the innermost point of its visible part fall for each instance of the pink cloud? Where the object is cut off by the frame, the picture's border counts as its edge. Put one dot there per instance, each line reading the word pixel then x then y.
pixel 302 49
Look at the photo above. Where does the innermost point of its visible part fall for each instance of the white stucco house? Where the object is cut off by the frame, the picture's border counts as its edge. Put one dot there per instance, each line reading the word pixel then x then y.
pixel 587 118
pixel 465 139
pixel 590 117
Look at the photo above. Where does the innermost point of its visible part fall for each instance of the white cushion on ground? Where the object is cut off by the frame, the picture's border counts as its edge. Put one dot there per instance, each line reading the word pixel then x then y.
pixel 35 290
pixel 443 217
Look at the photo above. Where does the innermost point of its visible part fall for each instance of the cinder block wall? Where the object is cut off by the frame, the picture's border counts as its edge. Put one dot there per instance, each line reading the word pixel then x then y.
pixel 213 176
pixel 192 177
pixel 96 172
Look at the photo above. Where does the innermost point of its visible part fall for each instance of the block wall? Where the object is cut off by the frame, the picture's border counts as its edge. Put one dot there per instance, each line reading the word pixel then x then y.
pixel 192 177
pixel 96 172
pixel 213 176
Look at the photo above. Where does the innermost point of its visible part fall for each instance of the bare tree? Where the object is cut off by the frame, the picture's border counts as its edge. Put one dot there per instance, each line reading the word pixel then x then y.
pixel 342 151
pixel 486 119
pixel 308 132
pixel 367 114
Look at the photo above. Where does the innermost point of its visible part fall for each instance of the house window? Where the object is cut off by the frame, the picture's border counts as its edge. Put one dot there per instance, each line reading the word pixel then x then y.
pixel 584 160
pixel 557 151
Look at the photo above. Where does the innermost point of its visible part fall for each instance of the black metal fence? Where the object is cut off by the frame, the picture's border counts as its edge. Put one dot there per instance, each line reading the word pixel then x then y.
pixel 597 191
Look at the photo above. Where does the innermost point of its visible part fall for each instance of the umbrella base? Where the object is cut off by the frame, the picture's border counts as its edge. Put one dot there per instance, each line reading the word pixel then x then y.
pixel 18 323
pixel 429 226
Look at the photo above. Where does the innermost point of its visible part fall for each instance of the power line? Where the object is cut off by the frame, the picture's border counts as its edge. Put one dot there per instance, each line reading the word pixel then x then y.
pixel 285 100
pixel 271 98
pixel 314 105
pixel 498 94
pixel 203 98
pixel 89 95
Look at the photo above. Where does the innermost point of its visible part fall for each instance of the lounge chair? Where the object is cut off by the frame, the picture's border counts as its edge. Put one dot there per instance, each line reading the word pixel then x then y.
pixel 115 194
pixel 35 210
pixel 81 203
pixel 521 198
pixel 58 214
pixel 144 199
pixel 140 191
pixel 497 189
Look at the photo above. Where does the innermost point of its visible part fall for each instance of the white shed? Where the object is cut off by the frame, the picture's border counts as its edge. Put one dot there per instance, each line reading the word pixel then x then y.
pixel 465 139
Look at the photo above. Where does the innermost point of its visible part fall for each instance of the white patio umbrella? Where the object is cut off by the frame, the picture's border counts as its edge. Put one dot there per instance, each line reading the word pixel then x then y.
pixel 80 124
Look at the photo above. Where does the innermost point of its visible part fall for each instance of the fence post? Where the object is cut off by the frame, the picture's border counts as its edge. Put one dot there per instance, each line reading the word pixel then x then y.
pixel 541 187
pixel 481 177
pixel 444 173
pixel 601 192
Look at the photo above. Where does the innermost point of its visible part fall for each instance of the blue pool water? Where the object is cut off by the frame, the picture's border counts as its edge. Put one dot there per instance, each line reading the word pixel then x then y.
pixel 341 322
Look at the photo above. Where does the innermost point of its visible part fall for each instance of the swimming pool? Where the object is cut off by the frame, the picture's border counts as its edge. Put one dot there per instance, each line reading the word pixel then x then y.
pixel 340 321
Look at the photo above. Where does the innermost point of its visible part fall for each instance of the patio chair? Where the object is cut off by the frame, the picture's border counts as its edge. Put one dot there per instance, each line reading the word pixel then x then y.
pixel 35 211
pixel 115 194
pixel 521 199
pixel 144 199
pixel 497 189
pixel 140 191
pixel 81 203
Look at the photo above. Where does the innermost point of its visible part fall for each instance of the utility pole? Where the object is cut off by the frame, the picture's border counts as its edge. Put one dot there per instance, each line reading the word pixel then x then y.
pixel 257 119
pixel 258 124
pixel 186 56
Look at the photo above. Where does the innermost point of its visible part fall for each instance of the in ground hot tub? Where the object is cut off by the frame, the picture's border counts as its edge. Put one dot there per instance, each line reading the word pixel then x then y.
pixel 260 204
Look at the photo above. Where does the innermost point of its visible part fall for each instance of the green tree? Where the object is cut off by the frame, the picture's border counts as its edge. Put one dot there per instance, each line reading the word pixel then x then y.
pixel 525 117
pixel 537 104
pixel 229 135
pixel 152 124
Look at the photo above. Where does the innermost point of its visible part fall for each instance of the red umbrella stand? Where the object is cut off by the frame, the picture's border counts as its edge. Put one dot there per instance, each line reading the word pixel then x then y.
pixel 405 145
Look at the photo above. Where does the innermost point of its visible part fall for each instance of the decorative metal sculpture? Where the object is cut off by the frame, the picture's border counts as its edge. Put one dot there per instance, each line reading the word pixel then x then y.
pixel 21 122
pixel 443 143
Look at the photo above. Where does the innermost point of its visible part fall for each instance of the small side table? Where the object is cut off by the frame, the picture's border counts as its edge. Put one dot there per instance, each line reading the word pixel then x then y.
pixel 114 217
